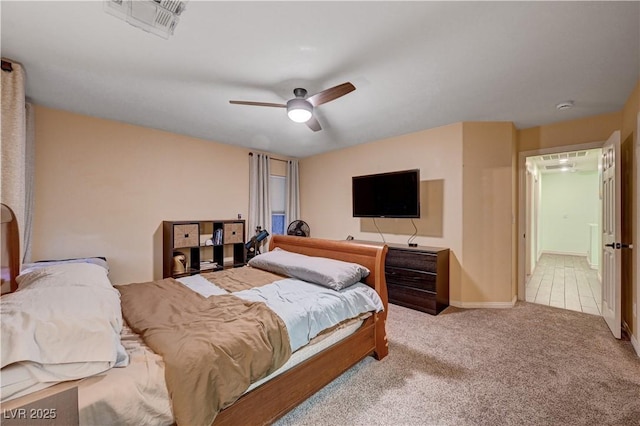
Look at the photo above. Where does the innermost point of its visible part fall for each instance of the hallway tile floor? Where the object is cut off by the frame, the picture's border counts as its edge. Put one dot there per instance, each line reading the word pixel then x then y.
pixel 565 282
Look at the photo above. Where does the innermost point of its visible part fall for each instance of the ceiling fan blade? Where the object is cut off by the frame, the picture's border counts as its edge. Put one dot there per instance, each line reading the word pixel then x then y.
pixel 314 124
pixel 331 94
pixel 265 104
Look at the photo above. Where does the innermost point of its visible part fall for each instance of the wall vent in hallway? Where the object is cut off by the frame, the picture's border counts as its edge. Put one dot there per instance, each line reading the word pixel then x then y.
pixel 566 155
pixel 559 166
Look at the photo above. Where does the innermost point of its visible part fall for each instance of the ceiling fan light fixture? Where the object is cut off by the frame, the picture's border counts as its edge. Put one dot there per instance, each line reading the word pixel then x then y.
pixel 299 110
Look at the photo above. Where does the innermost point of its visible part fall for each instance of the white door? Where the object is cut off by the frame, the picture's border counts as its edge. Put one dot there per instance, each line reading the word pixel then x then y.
pixel 611 235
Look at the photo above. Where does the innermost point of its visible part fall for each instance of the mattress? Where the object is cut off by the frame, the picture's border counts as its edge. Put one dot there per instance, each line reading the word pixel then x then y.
pixel 22 378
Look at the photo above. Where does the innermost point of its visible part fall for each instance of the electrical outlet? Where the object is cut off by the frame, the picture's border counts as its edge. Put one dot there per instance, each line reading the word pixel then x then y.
pixel 635 311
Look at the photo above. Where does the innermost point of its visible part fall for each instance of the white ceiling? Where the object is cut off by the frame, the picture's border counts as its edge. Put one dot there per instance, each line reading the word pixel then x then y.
pixel 416 65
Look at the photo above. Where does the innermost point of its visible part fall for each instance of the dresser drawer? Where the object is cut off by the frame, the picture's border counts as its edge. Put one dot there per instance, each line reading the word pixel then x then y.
pixel 413 298
pixel 411 278
pixel 412 259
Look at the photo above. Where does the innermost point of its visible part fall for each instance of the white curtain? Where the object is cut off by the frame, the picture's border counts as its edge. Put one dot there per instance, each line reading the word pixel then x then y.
pixel 292 193
pixel 13 150
pixel 259 196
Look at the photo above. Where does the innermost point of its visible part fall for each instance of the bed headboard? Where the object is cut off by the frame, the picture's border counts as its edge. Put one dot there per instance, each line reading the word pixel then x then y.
pixel 9 249
pixel 370 255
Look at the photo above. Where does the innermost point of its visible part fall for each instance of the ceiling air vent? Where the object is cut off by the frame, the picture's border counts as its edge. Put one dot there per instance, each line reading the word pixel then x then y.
pixel 158 17
pixel 559 166
pixel 565 155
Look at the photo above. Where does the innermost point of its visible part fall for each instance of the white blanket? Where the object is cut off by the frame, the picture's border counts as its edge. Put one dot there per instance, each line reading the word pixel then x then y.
pixel 66 317
pixel 306 309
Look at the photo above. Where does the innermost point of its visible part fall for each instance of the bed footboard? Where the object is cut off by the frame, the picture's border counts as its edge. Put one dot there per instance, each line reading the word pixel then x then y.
pixel 273 399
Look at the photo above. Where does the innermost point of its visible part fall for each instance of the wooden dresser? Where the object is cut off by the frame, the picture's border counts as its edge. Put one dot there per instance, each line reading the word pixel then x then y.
pixel 418 277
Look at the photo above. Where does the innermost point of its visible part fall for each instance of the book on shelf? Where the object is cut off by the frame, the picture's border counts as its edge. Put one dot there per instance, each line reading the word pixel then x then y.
pixel 217 237
pixel 208 264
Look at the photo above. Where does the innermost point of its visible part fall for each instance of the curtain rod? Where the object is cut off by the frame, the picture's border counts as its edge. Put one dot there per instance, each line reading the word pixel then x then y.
pixel 272 158
pixel 7 66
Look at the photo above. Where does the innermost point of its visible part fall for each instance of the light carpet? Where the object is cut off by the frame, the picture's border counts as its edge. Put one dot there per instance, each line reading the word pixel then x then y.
pixel 529 365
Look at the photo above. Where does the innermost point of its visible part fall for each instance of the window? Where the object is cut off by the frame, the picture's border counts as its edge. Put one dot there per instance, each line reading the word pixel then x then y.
pixel 277 189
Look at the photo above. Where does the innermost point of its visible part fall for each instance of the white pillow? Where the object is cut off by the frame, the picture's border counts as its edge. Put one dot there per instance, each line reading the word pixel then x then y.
pixel 28 267
pixel 331 273
pixel 63 314
pixel 65 275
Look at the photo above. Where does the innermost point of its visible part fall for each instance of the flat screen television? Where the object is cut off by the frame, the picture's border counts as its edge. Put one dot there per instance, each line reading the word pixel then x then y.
pixel 394 194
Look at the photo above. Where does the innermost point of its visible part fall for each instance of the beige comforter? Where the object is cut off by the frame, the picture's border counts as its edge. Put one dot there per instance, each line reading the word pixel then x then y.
pixel 213 348
pixel 238 279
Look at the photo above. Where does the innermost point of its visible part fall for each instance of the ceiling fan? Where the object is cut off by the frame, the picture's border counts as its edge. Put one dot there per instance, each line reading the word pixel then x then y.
pixel 300 108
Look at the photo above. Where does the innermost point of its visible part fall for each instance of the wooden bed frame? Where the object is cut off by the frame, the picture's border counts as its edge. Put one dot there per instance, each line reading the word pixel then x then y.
pixel 274 398
pixel 9 249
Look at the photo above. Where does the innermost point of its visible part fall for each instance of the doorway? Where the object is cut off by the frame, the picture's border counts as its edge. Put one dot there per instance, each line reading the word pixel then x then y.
pixel 563 216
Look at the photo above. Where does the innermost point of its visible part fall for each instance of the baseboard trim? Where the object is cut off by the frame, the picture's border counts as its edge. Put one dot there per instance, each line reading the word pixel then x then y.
pixel 564 253
pixel 627 335
pixel 626 331
pixel 484 305
pixel 635 344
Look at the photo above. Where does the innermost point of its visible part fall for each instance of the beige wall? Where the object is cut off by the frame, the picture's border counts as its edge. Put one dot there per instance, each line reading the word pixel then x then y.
pixel 488 200
pixel 325 187
pixel 597 128
pixel 474 160
pixel 103 188
pixel 630 113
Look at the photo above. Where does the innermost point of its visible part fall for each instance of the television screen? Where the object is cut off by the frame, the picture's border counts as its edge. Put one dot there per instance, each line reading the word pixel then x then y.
pixel 395 194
